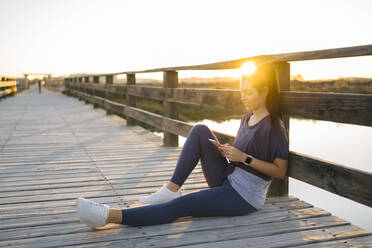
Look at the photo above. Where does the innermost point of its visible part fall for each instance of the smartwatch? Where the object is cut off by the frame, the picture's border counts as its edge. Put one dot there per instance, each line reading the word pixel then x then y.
pixel 248 160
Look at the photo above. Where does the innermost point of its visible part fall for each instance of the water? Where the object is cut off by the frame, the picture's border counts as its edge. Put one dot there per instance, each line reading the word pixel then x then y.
pixel 345 144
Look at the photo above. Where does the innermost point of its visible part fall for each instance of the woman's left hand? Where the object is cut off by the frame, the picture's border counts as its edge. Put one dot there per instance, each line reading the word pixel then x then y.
pixel 233 154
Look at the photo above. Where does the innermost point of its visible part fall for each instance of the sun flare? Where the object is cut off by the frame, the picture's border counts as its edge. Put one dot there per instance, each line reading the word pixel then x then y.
pixel 247 68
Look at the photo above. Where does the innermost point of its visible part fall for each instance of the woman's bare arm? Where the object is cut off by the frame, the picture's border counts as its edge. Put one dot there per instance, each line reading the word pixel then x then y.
pixel 278 168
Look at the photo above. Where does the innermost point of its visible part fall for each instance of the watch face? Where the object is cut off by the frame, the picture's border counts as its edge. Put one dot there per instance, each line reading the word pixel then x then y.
pixel 248 159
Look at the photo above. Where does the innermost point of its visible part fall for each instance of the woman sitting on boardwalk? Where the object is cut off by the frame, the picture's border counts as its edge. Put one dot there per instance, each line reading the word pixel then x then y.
pixel 238 176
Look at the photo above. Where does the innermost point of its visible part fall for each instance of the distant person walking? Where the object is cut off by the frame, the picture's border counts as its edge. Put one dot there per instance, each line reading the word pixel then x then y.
pixel 40 85
pixel 238 175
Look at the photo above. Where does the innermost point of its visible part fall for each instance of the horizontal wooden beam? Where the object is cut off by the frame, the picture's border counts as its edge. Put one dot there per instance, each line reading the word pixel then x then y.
pixel 170 125
pixel 4 78
pixel 7 83
pixel 348 182
pixel 153 93
pixel 228 99
pixel 338 107
pixel 282 57
pixel 8 91
pixel 155 120
pixel 344 52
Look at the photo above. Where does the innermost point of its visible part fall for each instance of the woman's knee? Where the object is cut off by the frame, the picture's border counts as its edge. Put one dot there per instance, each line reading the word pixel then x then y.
pixel 200 129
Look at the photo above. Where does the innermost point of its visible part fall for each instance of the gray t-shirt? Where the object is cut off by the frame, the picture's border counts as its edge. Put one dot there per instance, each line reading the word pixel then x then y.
pixel 262 142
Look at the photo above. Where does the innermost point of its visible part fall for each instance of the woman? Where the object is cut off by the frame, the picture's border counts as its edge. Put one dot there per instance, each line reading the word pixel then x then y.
pixel 259 153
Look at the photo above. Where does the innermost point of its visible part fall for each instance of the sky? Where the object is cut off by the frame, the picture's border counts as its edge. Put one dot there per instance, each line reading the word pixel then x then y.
pixel 102 36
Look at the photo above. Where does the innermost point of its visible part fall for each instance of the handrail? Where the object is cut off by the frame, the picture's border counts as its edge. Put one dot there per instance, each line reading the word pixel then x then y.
pixel 348 108
pixel 8 86
pixel 6 79
pixel 333 53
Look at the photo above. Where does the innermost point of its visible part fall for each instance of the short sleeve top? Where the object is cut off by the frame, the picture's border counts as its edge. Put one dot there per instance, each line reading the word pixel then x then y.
pixel 263 142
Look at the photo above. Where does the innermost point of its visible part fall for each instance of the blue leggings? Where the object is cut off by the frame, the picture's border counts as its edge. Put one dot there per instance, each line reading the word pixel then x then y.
pixel 219 200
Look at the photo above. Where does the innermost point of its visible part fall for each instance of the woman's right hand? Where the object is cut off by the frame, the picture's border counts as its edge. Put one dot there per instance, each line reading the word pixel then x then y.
pixel 222 149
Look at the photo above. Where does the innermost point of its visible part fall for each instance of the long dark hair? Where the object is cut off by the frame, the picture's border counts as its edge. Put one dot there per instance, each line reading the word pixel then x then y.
pixel 265 75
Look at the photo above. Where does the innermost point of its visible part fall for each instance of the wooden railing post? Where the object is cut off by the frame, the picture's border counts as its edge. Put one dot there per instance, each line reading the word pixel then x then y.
pixel 85 89
pixel 279 187
pixel 26 82
pixel 80 87
pixel 109 81
pixel 86 83
pixel 66 84
pixel 130 100
pixel 74 86
pixel 170 109
pixel 95 81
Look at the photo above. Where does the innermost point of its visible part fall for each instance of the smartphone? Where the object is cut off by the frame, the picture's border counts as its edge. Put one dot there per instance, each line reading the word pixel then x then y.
pixel 217 144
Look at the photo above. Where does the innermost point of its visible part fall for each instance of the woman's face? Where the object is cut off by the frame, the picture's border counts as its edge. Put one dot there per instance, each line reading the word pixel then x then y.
pixel 250 97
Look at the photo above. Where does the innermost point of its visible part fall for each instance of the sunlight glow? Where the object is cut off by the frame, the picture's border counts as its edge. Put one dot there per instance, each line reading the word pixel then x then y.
pixel 247 68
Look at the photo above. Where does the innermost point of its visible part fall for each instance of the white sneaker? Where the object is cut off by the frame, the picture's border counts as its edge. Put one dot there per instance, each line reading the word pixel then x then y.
pixel 91 213
pixel 161 196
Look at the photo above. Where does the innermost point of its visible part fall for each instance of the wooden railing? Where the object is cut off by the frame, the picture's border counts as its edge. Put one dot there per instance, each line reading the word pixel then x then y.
pixel 53 81
pixel 338 107
pixel 8 86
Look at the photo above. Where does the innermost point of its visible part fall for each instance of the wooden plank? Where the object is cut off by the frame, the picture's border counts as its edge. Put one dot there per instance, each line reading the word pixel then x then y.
pixel 354 51
pixel 225 99
pixel 130 169
pixel 168 164
pixel 272 204
pixel 162 175
pixel 148 92
pixel 66 208
pixel 173 126
pixel 144 116
pixel 359 242
pixel 7 84
pixel 338 107
pixel 156 177
pixel 52 208
pixel 291 239
pixel 344 52
pixel 130 198
pixel 348 182
pixel 198 224
pixel 139 187
pixel 206 236
pixel 129 158
pixel 104 151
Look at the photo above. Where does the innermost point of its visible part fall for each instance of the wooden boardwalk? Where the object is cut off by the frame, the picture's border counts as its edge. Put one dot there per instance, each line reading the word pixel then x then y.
pixel 55 148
